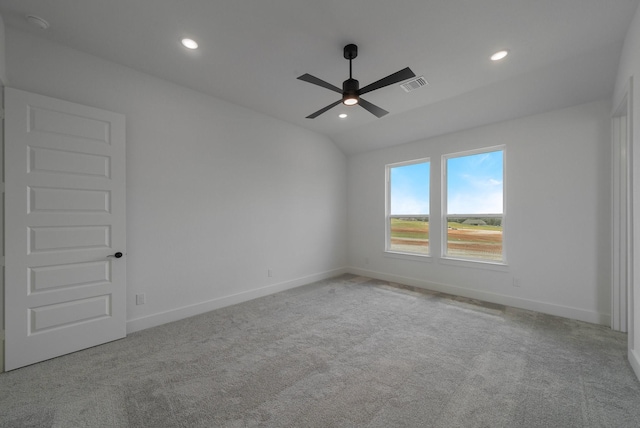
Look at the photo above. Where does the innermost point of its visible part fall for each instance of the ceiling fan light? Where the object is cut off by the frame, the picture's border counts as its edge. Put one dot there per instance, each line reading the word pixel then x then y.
pixel 350 101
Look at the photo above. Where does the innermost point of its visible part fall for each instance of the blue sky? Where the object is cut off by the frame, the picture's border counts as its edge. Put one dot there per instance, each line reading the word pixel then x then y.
pixel 410 189
pixel 474 186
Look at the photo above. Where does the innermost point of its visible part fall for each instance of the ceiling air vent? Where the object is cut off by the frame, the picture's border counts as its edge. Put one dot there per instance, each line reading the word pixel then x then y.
pixel 414 84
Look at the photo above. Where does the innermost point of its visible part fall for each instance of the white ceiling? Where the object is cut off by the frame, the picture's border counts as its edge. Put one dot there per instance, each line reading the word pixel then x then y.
pixel 563 53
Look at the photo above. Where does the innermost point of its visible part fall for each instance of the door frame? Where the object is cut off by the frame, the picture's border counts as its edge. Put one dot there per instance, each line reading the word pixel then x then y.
pixel 2 308
pixel 622 215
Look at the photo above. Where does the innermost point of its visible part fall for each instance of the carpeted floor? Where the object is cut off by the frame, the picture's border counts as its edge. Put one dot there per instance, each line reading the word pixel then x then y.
pixel 345 352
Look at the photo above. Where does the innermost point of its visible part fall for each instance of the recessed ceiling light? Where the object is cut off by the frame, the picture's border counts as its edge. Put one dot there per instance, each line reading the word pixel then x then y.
pixel 189 44
pixel 342 115
pixel 38 22
pixel 499 55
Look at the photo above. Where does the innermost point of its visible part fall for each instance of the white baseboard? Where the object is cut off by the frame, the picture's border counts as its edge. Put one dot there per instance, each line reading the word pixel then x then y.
pixel 516 302
pixel 2 352
pixel 634 360
pixel 154 320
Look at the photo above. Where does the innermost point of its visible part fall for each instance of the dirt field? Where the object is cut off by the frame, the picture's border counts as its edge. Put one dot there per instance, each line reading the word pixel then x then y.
pixel 461 242
pixel 475 235
pixel 409 241
pixel 486 243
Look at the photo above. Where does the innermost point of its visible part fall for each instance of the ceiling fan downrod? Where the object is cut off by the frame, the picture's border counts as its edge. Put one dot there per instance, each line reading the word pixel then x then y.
pixel 350 86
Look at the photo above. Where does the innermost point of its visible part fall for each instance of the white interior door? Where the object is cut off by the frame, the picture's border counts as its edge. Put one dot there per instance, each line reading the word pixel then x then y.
pixel 64 227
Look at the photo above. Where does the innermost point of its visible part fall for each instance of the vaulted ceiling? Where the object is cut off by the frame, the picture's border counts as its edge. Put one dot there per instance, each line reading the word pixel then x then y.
pixel 562 53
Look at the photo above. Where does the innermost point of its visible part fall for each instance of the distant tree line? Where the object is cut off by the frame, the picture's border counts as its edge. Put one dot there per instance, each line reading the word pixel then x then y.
pixel 488 221
pixel 425 219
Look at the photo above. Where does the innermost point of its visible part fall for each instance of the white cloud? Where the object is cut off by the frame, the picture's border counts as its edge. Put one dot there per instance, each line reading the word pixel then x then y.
pixel 401 204
pixel 489 202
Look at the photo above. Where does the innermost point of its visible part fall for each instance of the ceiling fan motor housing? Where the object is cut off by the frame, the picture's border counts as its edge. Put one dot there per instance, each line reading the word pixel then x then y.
pixel 350 86
pixel 350 91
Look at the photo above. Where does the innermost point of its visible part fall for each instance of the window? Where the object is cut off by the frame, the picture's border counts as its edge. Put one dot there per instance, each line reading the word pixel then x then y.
pixel 474 205
pixel 408 207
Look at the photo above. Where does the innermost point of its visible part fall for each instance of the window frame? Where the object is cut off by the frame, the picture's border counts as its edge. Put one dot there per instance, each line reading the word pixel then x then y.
pixel 444 205
pixel 388 215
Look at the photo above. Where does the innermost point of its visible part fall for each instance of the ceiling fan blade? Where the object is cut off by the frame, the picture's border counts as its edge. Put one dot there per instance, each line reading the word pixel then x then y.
pixel 396 77
pixel 312 79
pixel 372 108
pixel 322 110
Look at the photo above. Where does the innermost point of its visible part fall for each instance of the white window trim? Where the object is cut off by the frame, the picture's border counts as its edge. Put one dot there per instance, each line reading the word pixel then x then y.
pixel 387 210
pixel 443 218
pixel 475 263
pixel 407 256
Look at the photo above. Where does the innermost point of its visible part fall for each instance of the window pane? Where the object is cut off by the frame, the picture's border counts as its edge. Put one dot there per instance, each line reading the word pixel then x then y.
pixel 408 217
pixel 475 206
pixel 410 235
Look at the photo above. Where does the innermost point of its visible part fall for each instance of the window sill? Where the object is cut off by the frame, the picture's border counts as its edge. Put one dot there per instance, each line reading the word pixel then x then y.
pixel 465 263
pixel 475 264
pixel 408 256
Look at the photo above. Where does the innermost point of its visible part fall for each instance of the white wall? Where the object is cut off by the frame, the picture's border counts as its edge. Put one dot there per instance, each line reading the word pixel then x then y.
pixel 3 81
pixel 630 69
pixel 217 194
pixel 3 68
pixel 558 210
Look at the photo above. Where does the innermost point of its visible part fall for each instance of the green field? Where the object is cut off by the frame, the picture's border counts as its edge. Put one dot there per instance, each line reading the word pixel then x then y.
pixel 455 225
pixel 411 229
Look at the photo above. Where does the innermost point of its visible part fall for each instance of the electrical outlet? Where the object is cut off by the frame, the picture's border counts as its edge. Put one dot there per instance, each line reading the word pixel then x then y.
pixel 140 299
pixel 269 273
pixel 516 282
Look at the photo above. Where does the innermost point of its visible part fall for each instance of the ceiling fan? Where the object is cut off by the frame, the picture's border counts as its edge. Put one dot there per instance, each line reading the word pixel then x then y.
pixel 350 88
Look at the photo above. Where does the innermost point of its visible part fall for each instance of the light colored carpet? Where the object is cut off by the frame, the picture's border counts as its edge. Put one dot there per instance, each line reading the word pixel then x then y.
pixel 346 352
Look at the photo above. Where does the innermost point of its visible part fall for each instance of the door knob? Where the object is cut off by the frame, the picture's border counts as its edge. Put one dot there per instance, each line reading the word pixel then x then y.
pixel 116 255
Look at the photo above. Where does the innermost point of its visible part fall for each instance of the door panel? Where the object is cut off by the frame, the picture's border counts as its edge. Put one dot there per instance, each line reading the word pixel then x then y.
pixel 64 217
pixel 60 161
pixel 68 200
